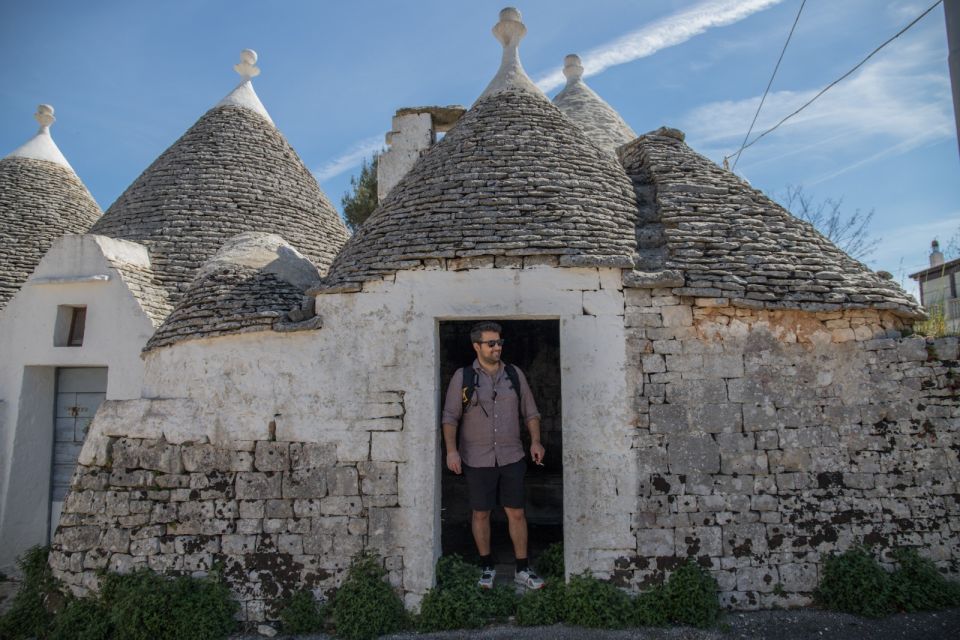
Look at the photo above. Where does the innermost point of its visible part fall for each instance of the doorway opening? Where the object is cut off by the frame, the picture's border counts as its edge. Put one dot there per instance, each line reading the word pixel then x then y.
pixel 534 347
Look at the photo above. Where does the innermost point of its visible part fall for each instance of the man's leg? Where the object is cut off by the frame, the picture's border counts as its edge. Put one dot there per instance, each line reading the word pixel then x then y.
pixel 517 522
pixel 480 523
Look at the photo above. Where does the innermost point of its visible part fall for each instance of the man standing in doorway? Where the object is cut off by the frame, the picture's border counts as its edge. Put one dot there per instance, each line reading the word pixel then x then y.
pixel 487 400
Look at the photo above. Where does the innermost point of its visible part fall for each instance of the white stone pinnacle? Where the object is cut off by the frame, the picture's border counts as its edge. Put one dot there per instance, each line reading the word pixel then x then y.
pixel 244 95
pixel 41 146
pixel 572 68
pixel 510 30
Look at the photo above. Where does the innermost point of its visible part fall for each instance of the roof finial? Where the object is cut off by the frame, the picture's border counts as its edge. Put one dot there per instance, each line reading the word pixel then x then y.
pixel 510 31
pixel 247 68
pixel 572 68
pixel 44 116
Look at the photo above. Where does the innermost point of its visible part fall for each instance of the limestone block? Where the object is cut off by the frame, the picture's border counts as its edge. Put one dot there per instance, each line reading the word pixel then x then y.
pixel 238 545
pixel 378 477
pixel 258 486
pixel 272 456
pixel 307 483
pixel 697 541
pixel 760 579
pixel 352 446
pixel 723 365
pixel 695 453
pixel 384 525
pixel 160 456
pixel 603 303
pixel 716 418
pixel 743 540
pixel 800 576
pixel 738 442
pixel 764 503
pixel 115 540
pixel 685 362
pixel 290 543
pixel 241 461
pixel 145 547
pixel 680 315
pixel 343 481
pixel 278 509
pixel 946 348
pixel 387 446
pixel 744 463
pixel 668 418
pixel 653 363
pixel 912 349
pixel 341 505
pixel 306 508
pixel 641 317
pixel 204 457
pixel 251 508
pixel 697 391
pixel 311 455
pixel 125 453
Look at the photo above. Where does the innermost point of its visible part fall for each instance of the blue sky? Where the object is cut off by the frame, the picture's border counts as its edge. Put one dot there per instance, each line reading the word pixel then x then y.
pixel 128 78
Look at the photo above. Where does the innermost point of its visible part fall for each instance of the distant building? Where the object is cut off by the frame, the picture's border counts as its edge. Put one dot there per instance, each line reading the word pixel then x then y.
pixel 938 286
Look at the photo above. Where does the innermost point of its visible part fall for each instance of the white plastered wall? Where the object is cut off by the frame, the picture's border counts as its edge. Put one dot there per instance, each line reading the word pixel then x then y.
pixel 76 271
pixel 338 383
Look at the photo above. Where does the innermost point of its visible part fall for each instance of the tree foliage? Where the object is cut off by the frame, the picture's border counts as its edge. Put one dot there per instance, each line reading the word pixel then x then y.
pixel 849 231
pixel 358 205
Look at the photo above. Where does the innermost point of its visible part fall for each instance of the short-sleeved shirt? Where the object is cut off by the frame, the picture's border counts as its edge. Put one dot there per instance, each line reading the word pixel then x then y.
pixel 490 424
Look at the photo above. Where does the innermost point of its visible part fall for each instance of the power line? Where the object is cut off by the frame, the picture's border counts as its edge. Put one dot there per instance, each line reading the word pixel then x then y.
pixel 769 84
pixel 831 85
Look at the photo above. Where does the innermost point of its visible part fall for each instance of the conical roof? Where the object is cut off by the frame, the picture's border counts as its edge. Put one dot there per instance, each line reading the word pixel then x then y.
pixel 581 104
pixel 250 284
pixel 724 238
pixel 514 177
pixel 231 172
pixel 41 199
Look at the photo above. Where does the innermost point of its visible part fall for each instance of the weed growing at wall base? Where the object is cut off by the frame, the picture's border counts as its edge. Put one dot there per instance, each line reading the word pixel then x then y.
pixel 365 606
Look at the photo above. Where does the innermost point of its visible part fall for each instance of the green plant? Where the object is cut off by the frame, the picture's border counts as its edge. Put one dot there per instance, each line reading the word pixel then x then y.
pixel 365 606
pixel 550 562
pixel 691 596
pixel 543 607
pixel 84 619
pixel 301 613
pixel 458 603
pixel 590 602
pixel 31 614
pixel 650 608
pixel 916 585
pixel 854 582
pixel 935 326
pixel 145 606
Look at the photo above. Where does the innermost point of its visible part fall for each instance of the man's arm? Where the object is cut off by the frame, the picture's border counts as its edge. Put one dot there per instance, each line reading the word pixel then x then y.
pixel 453 455
pixel 452 413
pixel 536 449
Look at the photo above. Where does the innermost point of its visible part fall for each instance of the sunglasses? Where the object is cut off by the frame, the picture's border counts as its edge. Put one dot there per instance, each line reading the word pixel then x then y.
pixel 492 343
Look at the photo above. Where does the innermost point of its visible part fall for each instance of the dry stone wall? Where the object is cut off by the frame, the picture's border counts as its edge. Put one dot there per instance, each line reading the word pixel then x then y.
pixel 767 440
pixel 273 517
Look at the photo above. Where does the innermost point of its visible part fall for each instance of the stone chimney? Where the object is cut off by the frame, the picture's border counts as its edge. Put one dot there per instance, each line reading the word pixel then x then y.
pixel 414 130
pixel 936 256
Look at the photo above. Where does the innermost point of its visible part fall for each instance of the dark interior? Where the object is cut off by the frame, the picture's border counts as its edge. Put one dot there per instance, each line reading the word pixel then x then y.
pixel 534 347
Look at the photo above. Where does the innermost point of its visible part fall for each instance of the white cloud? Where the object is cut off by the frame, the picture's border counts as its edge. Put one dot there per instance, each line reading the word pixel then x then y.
pixel 906 249
pixel 666 32
pixel 350 158
pixel 895 103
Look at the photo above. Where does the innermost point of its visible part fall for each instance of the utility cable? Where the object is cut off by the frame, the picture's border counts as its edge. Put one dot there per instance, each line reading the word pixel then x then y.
pixel 769 84
pixel 831 85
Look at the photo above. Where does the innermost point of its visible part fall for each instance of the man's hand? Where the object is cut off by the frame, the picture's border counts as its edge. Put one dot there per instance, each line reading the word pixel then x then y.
pixel 537 452
pixel 453 462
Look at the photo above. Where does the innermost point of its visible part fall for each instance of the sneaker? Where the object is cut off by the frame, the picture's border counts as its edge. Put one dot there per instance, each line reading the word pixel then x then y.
pixel 487 578
pixel 528 579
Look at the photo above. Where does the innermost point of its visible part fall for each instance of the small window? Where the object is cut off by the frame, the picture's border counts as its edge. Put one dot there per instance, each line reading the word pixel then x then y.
pixel 71 323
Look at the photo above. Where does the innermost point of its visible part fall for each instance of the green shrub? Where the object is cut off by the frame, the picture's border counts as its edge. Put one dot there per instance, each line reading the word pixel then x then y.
pixel 917 585
pixel 590 602
pixel 690 595
pixel 85 619
pixel 30 612
pixel 543 607
pixel 650 608
pixel 458 603
pixel 550 562
pixel 365 606
pixel 145 606
pixel 302 614
pixel 855 583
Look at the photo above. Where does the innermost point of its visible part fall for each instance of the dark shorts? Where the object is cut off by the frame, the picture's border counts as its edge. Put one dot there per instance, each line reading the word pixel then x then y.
pixel 483 482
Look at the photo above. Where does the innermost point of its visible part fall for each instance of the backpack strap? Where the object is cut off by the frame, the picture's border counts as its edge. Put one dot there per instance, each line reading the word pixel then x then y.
pixel 469 385
pixel 514 378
